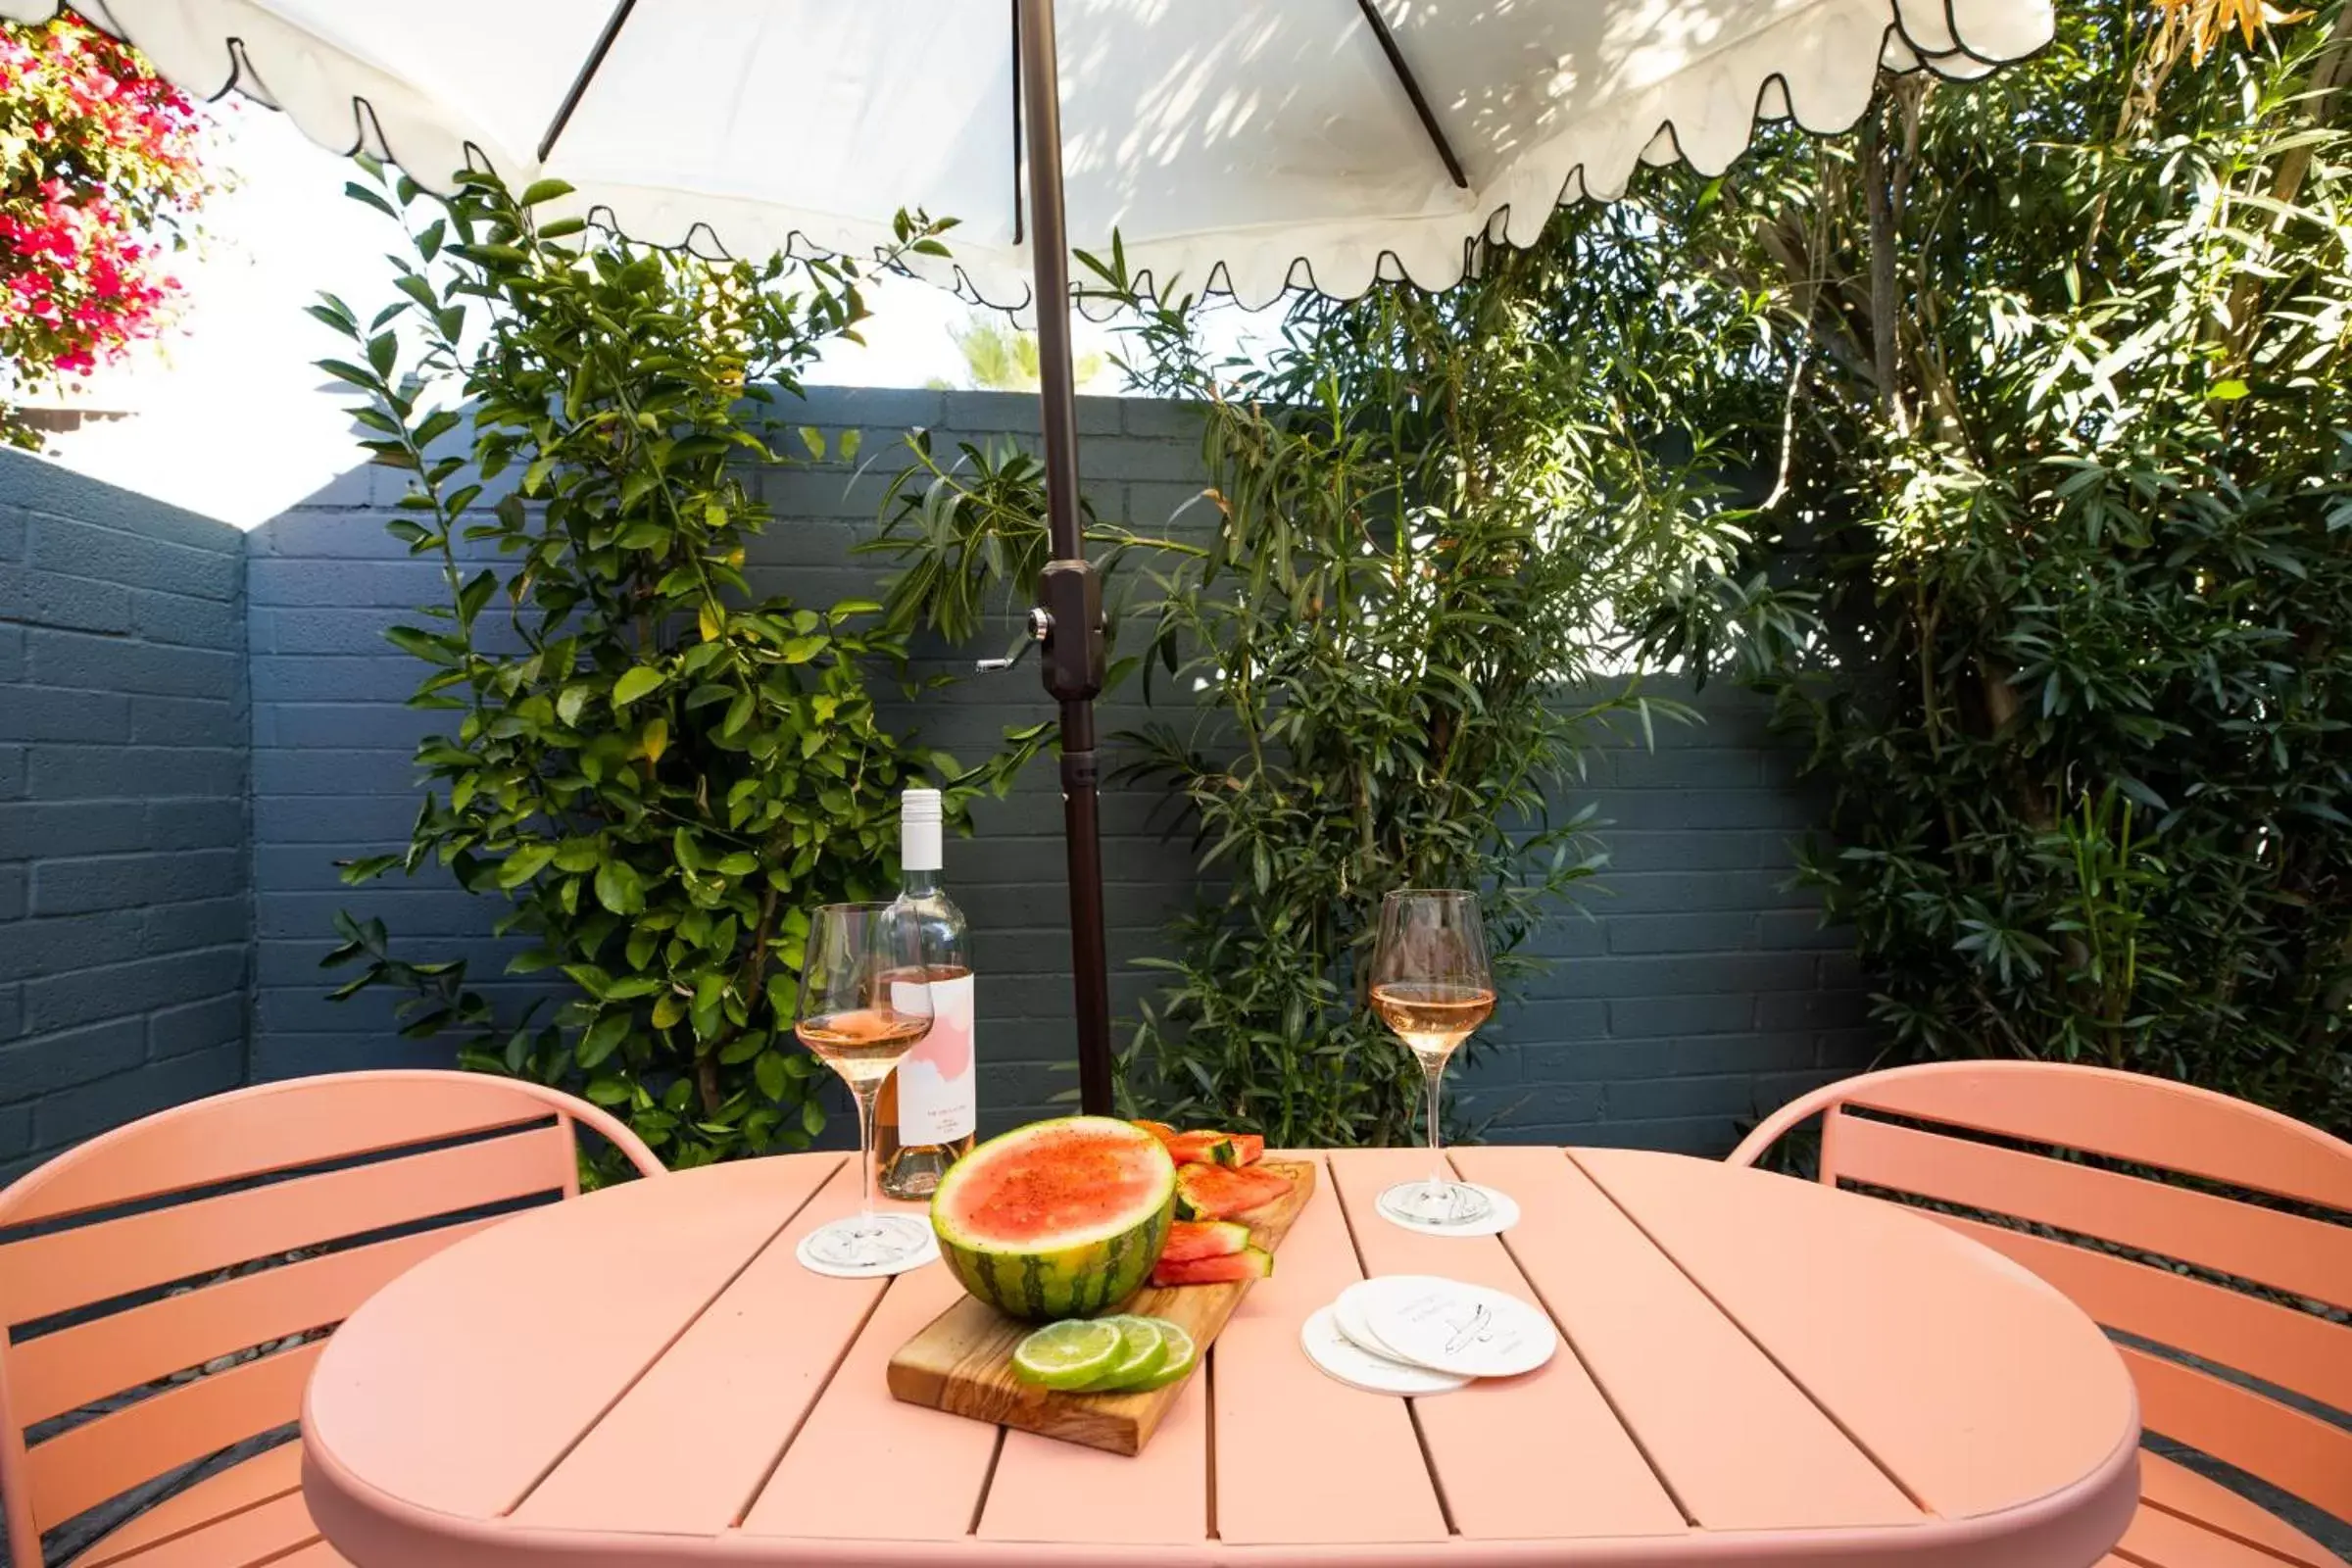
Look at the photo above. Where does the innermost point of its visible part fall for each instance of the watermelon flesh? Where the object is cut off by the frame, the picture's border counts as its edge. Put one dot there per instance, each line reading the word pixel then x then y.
pixel 1215 1239
pixel 1250 1263
pixel 1061 1218
pixel 1217 1192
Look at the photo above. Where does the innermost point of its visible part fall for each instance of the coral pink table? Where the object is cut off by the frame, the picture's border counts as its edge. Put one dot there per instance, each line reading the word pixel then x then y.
pixel 1758 1370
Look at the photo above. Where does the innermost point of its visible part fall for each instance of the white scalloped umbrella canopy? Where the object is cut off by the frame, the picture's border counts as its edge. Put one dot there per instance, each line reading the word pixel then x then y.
pixel 1241 143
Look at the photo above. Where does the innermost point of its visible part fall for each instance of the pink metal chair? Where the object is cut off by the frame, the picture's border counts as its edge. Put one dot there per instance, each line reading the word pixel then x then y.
pixel 132 1268
pixel 2115 1241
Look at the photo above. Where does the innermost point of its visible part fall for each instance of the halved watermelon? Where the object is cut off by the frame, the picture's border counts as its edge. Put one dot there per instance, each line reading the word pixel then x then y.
pixel 1059 1218
pixel 1215 1239
pixel 1250 1263
pixel 1217 1192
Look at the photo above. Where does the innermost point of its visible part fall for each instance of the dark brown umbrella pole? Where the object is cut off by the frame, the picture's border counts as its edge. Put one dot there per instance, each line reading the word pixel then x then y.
pixel 1069 616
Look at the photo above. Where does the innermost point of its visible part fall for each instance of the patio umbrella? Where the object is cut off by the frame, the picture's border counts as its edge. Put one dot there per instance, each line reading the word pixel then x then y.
pixel 1249 145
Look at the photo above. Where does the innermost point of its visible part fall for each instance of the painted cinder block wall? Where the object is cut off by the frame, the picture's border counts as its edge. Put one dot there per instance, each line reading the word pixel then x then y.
pixel 1695 993
pixel 124 909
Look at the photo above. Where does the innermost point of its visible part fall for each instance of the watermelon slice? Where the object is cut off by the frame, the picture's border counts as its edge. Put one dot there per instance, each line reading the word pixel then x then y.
pixel 1218 1191
pixel 1157 1129
pixel 1201 1149
pixel 1216 1238
pixel 1250 1263
pixel 1241 1149
pixel 1209 1148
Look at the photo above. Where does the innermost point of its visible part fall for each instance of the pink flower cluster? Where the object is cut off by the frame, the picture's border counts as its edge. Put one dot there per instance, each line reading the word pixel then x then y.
pixel 103 157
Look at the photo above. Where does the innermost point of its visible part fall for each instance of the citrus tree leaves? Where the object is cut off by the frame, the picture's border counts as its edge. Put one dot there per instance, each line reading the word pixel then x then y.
pixel 657 769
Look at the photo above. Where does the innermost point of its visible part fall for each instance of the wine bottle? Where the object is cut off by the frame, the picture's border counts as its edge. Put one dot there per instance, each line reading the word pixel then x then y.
pixel 928 1109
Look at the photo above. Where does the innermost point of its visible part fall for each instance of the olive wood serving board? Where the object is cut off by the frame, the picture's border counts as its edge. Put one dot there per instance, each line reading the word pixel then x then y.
pixel 963 1363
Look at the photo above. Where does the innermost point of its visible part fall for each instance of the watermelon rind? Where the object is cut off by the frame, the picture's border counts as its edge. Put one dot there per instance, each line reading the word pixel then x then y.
pixel 1083 1272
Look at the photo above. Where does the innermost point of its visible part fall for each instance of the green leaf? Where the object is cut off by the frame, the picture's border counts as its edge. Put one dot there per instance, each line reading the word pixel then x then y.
pixel 618 887
pixel 362 194
pixel 636 682
pixel 525 863
pixel 768 1073
pixel 603 1038
pixel 541 191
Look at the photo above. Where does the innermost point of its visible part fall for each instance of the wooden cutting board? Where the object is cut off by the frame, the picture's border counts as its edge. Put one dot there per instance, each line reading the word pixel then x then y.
pixel 963 1363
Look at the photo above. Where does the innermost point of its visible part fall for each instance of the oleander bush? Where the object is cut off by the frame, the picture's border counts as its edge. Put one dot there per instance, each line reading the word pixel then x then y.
pixel 2069 480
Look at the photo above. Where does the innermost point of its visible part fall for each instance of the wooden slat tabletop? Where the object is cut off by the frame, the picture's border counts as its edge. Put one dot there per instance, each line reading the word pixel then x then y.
pixel 1756 1370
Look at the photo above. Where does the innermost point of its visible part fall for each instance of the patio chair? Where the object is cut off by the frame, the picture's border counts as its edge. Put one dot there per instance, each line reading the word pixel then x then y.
pixel 2239 1285
pixel 255 1220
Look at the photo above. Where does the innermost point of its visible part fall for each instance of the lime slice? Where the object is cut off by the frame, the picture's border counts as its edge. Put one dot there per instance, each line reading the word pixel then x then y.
pixel 1142 1349
pixel 1068 1354
pixel 1182 1353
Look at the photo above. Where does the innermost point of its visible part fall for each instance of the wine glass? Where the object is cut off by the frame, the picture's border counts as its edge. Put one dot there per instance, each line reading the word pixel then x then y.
pixel 1431 986
pixel 864 1001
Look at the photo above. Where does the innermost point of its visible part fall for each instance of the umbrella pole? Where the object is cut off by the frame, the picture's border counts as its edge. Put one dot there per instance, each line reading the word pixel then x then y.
pixel 1069 613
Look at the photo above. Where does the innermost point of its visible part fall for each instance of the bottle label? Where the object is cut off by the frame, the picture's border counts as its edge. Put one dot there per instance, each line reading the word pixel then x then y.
pixel 937 1103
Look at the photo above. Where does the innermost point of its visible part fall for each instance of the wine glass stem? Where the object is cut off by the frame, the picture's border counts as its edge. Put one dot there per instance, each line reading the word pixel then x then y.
pixel 1435 1070
pixel 866 1095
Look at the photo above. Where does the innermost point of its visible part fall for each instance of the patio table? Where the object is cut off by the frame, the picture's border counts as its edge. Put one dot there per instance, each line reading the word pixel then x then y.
pixel 1756 1370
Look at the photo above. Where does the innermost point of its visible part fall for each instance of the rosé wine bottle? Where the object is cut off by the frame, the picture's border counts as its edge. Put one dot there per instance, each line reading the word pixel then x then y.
pixel 929 1108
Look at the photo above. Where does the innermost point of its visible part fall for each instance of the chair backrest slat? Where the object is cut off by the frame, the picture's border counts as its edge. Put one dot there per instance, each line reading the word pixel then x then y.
pixel 271 1128
pixel 128 1226
pixel 65 1269
pixel 84 1466
pixel 2310 1457
pixel 2126 1116
pixel 2297 1351
pixel 2284 1252
pixel 62 1371
pixel 2255 1310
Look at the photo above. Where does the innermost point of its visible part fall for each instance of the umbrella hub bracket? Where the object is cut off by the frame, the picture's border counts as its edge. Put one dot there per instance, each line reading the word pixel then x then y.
pixel 1068 624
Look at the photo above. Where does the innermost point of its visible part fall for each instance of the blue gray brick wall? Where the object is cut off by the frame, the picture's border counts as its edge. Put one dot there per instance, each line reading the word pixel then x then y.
pixel 1694 993
pixel 124 917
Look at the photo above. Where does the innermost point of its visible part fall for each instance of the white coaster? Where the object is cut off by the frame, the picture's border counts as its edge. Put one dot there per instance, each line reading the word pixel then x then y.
pixel 1447 1326
pixel 1503 1213
pixel 1347 1316
pixel 928 1253
pixel 1343 1360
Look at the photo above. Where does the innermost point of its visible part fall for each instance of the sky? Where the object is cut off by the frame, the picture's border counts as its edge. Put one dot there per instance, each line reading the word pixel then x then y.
pixel 232 418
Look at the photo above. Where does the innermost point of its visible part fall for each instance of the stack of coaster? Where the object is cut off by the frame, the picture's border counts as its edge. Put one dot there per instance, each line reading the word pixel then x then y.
pixel 1418 1335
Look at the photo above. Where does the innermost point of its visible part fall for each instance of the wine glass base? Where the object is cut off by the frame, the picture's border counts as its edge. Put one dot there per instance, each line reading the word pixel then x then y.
pixel 860 1249
pixel 1445 1207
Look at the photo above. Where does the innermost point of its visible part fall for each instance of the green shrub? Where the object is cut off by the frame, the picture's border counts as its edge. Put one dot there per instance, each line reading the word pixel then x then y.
pixel 2070 393
pixel 1380 661
pixel 662 770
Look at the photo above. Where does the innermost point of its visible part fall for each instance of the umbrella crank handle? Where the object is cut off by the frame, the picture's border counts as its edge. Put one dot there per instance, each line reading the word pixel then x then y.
pixel 1041 627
